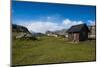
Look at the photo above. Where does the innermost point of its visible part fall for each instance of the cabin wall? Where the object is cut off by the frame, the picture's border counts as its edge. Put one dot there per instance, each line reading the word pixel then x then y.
pixel 76 37
pixel 73 37
pixel 70 36
pixel 83 36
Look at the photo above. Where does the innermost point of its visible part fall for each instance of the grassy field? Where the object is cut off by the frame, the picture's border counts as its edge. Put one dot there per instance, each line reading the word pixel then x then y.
pixel 51 50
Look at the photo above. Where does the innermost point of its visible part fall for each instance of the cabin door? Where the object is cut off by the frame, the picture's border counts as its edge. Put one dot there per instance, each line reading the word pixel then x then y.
pixel 76 37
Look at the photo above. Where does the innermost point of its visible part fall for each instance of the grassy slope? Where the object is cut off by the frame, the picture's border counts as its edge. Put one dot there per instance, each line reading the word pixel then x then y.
pixel 51 50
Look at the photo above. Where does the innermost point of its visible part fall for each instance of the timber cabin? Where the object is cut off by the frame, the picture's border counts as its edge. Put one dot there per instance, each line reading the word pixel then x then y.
pixel 78 33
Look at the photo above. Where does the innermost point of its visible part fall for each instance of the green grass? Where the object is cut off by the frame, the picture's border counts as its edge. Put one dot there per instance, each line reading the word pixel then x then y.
pixel 51 50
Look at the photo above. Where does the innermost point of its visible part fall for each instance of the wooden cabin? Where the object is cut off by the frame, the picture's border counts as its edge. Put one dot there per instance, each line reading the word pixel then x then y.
pixel 78 33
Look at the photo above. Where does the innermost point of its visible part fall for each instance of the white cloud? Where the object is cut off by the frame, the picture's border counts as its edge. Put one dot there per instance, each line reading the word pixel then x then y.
pixel 91 22
pixel 40 26
pixel 69 23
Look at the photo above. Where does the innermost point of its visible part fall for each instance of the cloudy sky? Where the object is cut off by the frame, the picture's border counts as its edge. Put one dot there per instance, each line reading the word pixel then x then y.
pixel 41 17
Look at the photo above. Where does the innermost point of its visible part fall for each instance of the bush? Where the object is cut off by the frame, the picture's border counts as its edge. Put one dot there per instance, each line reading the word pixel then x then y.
pixel 33 38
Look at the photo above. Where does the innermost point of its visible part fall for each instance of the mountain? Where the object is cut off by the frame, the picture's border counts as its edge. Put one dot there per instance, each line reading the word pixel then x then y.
pixel 61 32
pixel 19 28
pixel 37 34
pixel 58 32
pixel 21 32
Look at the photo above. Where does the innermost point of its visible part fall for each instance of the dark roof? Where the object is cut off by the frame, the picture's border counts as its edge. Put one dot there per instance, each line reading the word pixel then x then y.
pixel 77 28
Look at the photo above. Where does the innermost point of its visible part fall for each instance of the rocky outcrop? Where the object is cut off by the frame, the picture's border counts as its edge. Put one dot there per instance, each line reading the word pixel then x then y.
pixel 20 32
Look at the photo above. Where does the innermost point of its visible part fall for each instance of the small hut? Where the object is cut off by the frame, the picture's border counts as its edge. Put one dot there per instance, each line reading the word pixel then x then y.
pixel 78 33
